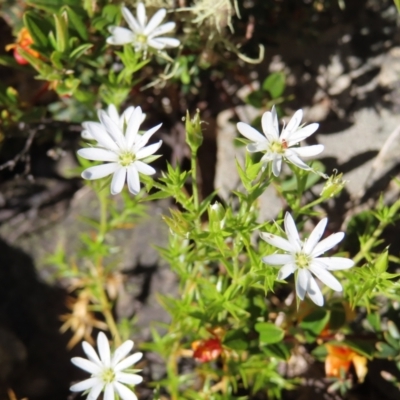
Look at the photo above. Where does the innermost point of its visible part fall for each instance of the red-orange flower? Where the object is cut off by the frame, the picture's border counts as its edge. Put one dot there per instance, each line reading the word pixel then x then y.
pixel 340 358
pixel 207 350
pixel 24 41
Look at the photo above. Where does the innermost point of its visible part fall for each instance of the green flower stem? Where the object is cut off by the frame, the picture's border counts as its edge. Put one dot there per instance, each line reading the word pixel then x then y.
pixel 367 247
pixel 103 213
pixel 195 190
pixel 106 306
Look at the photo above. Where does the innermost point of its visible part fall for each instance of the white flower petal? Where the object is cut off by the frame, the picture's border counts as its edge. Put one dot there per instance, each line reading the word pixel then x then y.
pixel 250 133
pixel 103 348
pixel 148 150
pixel 100 171
pixel 294 159
pixel 155 21
pixel 269 122
pixel 168 27
pixel 95 392
pixel 133 127
pixel 278 259
pixel 113 113
pixel 99 133
pixel 336 263
pixel 97 154
pixel 112 129
pixel 277 241
pixel 315 236
pixel 257 146
pixel 327 243
pixel 142 141
pixel 130 379
pixel 120 36
pixel 293 125
pixel 308 151
pixel 118 180
pixel 121 352
pixel 91 353
pixel 133 180
pixel 85 385
pixel 303 133
pixel 141 15
pixel 302 279
pixel 291 232
pixel 124 392
pixel 314 292
pixel 143 168
pixel 131 20
pixel 325 276
pixel 286 270
pixel 126 115
pixel 276 165
pixel 86 135
pixel 109 392
pixel 163 42
pixel 86 365
pixel 128 361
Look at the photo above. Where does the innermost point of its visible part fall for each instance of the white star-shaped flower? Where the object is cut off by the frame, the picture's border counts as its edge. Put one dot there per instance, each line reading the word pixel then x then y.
pixel 120 120
pixel 143 34
pixel 303 258
pixel 277 147
pixel 107 371
pixel 122 148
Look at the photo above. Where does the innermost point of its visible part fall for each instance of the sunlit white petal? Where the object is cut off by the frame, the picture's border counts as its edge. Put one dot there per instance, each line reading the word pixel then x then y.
pixel 155 21
pixel 314 292
pixel 291 232
pixel 148 150
pixel 286 270
pixel 118 180
pixel 250 133
pixel 303 276
pixel 100 171
pixel 121 352
pixel 315 236
pixel 144 168
pixel 86 365
pixel 278 259
pixel 276 241
pixel 327 244
pixel 124 392
pixel 325 276
pixel 336 263
pixel 85 385
pixel 130 379
pixel 128 362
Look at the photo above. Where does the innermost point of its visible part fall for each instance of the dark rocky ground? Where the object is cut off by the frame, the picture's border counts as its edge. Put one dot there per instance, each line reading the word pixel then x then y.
pixel 343 70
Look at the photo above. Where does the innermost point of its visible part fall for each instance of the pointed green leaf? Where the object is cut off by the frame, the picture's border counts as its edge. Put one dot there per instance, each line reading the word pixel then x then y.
pixel 37 27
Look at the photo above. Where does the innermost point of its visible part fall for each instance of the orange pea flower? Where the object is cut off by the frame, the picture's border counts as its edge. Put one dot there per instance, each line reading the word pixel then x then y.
pixel 24 41
pixel 207 350
pixel 340 359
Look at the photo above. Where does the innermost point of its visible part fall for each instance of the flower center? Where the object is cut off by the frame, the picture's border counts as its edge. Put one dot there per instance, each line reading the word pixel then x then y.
pixel 277 147
pixel 141 38
pixel 108 375
pixel 126 159
pixel 302 260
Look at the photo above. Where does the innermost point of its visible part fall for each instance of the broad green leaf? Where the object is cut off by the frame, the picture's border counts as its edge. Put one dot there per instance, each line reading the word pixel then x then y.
pixel 275 84
pixel 386 351
pixel 269 333
pixel 278 350
pixel 314 323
